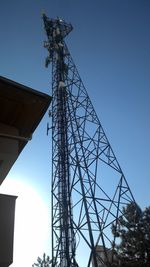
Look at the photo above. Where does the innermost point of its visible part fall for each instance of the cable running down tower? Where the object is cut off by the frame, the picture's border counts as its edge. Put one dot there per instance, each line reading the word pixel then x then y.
pixel 89 189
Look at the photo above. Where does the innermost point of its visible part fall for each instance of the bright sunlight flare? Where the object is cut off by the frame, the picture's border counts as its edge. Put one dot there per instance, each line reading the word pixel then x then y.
pixel 31 222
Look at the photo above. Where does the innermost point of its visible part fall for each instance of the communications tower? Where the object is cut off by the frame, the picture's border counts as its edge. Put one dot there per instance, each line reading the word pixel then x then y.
pixel 89 189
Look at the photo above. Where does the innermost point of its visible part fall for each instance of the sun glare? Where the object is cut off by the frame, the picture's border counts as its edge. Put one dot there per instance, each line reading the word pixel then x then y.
pixel 31 223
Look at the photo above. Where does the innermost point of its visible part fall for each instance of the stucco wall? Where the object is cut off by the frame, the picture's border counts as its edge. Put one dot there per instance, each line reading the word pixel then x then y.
pixel 8 150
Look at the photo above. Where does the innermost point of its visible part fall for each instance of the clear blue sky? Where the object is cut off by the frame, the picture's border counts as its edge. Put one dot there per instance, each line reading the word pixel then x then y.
pixel 110 45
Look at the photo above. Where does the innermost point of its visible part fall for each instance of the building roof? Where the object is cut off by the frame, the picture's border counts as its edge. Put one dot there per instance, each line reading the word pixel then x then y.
pixel 22 108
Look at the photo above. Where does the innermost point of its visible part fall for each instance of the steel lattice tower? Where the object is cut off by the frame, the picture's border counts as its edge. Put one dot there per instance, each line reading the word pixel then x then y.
pixel 89 189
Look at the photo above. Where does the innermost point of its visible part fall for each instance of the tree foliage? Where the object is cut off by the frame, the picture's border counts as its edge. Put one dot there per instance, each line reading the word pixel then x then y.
pixel 133 234
pixel 44 262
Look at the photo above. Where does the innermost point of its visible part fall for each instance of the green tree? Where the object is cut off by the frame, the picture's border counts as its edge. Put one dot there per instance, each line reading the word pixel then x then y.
pixel 44 262
pixel 133 233
pixel 145 227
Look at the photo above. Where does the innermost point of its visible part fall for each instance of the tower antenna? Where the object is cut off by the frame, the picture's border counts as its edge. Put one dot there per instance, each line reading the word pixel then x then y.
pixel 89 189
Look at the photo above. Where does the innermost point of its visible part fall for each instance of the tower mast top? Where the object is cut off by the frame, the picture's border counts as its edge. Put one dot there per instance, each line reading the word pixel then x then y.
pixel 56 30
